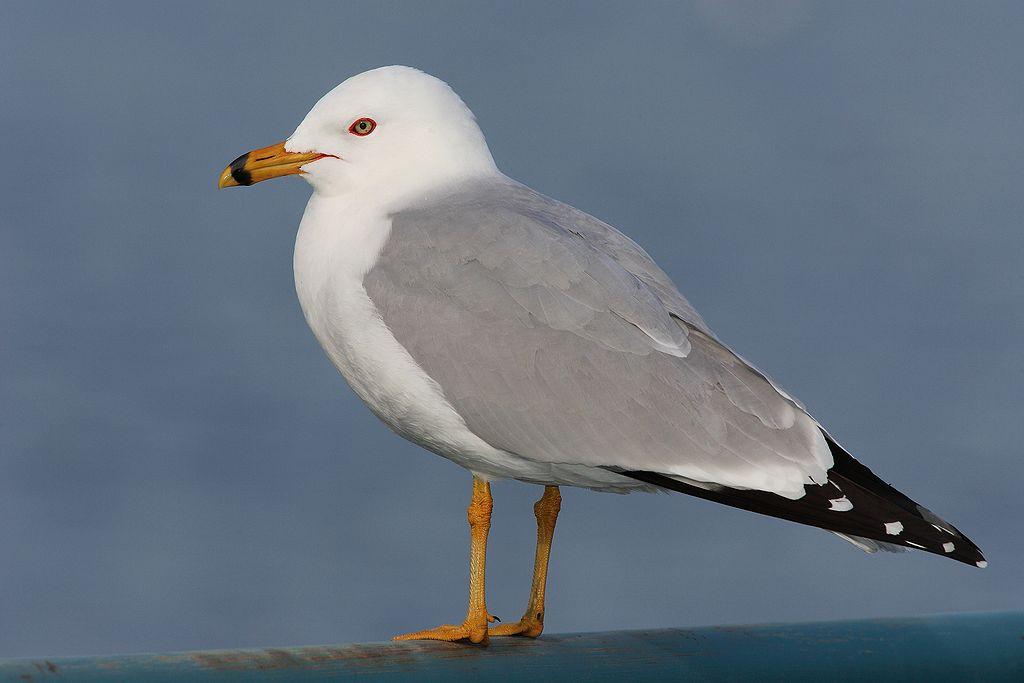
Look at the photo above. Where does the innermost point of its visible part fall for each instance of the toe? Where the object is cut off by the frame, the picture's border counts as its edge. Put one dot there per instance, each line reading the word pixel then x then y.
pixel 529 628
pixel 510 629
pixel 443 632
pixel 449 633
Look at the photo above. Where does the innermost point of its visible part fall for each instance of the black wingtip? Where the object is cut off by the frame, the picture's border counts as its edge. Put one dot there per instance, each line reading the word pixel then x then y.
pixel 869 508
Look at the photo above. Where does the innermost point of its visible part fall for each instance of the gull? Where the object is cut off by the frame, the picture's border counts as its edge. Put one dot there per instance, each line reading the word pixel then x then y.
pixel 522 338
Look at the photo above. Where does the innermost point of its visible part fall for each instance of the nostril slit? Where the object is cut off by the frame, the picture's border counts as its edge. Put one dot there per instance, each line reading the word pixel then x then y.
pixel 262 158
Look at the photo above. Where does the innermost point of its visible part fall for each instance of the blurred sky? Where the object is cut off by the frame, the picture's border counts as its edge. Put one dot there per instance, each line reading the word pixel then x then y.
pixel 836 187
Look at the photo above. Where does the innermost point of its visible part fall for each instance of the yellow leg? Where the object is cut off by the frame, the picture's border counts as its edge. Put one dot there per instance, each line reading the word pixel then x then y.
pixel 474 628
pixel 532 622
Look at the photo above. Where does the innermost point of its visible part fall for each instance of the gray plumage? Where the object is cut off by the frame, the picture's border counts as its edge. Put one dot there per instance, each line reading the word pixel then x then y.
pixel 558 339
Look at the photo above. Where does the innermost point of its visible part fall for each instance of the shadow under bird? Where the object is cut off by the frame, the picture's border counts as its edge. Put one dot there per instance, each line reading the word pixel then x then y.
pixel 522 338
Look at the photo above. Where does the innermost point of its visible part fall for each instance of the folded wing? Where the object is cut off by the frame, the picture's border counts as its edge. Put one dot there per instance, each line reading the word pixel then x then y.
pixel 557 339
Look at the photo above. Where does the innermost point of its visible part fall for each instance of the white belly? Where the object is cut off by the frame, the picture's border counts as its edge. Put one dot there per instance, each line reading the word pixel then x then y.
pixel 392 384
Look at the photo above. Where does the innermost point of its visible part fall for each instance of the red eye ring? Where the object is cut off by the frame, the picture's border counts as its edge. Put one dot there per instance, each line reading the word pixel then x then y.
pixel 362 127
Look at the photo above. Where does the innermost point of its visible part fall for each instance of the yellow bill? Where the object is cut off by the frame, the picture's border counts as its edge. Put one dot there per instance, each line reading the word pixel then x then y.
pixel 266 163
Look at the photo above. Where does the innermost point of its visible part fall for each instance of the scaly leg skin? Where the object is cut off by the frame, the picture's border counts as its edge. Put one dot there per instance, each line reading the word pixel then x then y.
pixel 532 622
pixel 474 628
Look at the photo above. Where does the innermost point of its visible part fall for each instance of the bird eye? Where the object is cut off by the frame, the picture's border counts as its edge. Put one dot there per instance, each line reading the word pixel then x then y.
pixel 363 126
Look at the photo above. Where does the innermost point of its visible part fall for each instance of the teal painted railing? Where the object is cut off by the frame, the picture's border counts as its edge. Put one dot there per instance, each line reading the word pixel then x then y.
pixel 967 647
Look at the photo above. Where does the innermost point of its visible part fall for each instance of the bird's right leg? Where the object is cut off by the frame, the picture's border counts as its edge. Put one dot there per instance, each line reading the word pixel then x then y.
pixel 546 509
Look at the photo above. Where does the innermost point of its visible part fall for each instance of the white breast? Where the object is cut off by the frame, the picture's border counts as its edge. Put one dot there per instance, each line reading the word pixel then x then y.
pixel 335 247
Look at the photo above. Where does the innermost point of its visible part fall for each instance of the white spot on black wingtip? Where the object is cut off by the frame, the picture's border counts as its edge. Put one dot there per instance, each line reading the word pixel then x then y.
pixel 981 564
pixel 893 528
pixel 840 504
pixel 948 547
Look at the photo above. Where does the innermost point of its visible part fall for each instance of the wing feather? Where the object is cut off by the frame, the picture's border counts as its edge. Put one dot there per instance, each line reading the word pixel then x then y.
pixel 557 338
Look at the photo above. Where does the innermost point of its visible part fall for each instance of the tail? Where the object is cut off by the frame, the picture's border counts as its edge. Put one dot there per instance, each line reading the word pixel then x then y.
pixel 853 503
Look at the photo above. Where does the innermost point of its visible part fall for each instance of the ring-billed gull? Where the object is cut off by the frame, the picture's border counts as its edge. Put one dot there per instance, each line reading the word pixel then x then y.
pixel 522 338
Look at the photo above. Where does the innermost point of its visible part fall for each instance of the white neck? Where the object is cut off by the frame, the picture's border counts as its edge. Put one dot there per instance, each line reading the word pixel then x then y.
pixel 339 239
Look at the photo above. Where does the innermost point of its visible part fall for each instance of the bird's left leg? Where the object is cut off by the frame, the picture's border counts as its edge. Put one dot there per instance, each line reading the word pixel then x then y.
pixel 474 628
pixel 546 509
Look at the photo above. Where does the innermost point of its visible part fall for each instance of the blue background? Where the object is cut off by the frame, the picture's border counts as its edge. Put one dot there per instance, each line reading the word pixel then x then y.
pixel 836 186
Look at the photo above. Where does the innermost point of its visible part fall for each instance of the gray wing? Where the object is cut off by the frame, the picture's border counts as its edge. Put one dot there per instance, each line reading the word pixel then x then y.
pixel 629 255
pixel 558 339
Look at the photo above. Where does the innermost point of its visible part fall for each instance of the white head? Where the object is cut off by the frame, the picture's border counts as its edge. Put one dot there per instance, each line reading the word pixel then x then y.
pixel 391 132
